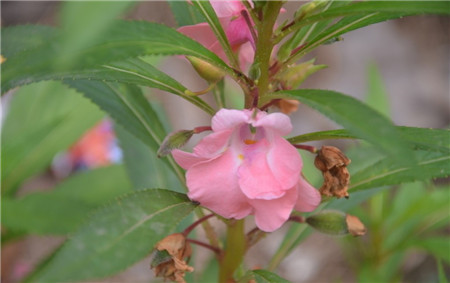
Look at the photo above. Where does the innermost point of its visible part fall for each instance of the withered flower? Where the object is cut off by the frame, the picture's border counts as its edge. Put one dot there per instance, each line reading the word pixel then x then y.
pixel 333 164
pixel 287 106
pixel 355 226
pixel 168 261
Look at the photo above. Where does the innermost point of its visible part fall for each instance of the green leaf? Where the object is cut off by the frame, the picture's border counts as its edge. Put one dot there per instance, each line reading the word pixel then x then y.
pixel 127 106
pixel 117 236
pixel 359 119
pixel 125 39
pixel 206 9
pixel 265 276
pixel 418 138
pixel 42 120
pixel 17 39
pixel 377 97
pixel 184 13
pixel 441 272
pixel 438 246
pixel 143 167
pixel 388 172
pixel 62 209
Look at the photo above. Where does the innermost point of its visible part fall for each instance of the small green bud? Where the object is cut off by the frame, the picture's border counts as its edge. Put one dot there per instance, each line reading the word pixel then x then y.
pixel 336 223
pixel 330 222
pixel 255 71
pixel 293 76
pixel 210 73
pixel 173 141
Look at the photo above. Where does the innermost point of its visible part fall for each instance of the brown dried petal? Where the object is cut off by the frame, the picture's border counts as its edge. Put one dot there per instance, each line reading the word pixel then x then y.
pixel 178 249
pixel 333 164
pixel 287 106
pixel 355 226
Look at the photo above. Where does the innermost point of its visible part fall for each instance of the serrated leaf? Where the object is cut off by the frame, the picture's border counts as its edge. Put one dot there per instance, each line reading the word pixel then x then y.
pixel 265 276
pixel 184 13
pixel 418 138
pixel 62 209
pixel 43 119
pixel 359 119
pixel 22 38
pixel 387 172
pixel 117 236
pixel 125 39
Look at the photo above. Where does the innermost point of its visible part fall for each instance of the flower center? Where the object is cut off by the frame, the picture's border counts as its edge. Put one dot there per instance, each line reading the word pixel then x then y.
pixel 248 142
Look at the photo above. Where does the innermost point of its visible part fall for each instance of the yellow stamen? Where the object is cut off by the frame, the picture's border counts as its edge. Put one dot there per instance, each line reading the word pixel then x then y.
pixel 250 141
pixel 241 157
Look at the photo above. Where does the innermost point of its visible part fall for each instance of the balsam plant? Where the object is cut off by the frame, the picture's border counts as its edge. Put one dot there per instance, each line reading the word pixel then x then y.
pixel 244 167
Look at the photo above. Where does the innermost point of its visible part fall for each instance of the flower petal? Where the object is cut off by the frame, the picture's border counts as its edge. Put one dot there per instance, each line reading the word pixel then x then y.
pixel 285 162
pixel 226 119
pixel 308 197
pixel 255 175
pixel 186 159
pixel 214 184
pixel 227 8
pixel 213 144
pixel 278 122
pixel 201 32
pixel 271 214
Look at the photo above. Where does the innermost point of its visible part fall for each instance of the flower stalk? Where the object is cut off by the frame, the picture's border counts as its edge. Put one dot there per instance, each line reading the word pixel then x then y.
pixel 234 252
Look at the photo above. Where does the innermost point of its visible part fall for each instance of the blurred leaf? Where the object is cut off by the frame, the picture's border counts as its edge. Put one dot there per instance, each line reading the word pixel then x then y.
pixel 143 167
pixel 388 172
pixel 357 118
pixel 185 14
pixel 21 38
pixel 377 97
pixel 127 106
pixel 419 138
pixel 438 246
pixel 62 209
pixel 265 276
pixel 117 236
pixel 441 272
pixel 42 120
pixel 97 18
pixel 125 39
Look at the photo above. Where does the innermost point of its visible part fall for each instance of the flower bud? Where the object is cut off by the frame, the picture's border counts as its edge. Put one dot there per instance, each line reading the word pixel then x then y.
pixel 293 76
pixel 255 71
pixel 173 141
pixel 287 106
pixel 168 260
pixel 2 59
pixel 210 73
pixel 336 223
pixel 333 164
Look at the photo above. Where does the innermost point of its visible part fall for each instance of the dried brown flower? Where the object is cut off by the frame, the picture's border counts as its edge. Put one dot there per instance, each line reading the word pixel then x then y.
pixel 333 164
pixel 169 258
pixel 355 226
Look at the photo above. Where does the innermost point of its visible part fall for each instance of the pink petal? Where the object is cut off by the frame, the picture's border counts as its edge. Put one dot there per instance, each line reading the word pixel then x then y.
pixel 278 122
pixel 271 214
pixel 255 175
pixel 213 144
pixel 227 8
pixel 214 184
pixel 201 32
pixel 239 33
pixel 284 162
pixel 226 119
pixel 308 197
pixel 186 159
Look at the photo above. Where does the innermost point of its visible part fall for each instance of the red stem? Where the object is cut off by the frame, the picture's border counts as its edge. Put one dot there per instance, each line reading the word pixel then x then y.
pixel 196 223
pixel 309 148
pixel 205 245
pixel 298 219
pixel 202 129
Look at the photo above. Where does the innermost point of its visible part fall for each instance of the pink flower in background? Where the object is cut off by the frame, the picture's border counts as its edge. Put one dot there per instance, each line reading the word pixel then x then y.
pixel 245 167
pixel 235 27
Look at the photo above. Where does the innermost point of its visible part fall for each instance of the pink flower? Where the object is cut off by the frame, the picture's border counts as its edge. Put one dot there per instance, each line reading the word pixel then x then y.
pixel 235 27
pixel 245 167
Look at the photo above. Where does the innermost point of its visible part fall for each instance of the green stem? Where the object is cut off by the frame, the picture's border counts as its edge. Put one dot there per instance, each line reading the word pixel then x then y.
pixel 234 252
pixel 264 46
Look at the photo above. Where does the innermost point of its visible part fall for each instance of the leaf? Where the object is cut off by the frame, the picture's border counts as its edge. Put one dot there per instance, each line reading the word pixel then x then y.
pixel 418 138
pixel 43 120
pixel 117 236
pixel 21 38
pixel 62 209
pixel 131 71
pixel 357 118
pixel 387 172
pixel 265 276
pixel 128 107
pixel 206 9
pixel 377 97
pixel 184 13
pixel 438 246
pixel 144 169
pixel 125 39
